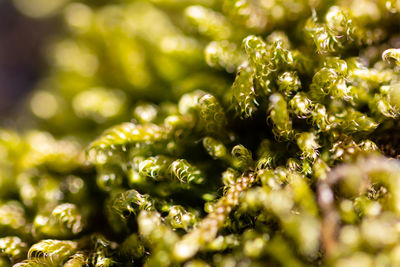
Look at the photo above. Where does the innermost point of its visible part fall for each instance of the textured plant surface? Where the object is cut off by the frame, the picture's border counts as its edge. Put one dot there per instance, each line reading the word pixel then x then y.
pixel 210 133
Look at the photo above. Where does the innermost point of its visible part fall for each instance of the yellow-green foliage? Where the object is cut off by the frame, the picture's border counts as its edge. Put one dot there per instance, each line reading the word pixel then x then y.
pixel 208 133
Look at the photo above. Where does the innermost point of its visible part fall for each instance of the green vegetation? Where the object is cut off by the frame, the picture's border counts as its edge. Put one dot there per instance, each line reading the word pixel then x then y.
pixel 210 133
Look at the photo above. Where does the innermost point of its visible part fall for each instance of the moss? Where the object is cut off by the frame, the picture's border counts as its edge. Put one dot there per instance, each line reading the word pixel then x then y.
pixel 209 133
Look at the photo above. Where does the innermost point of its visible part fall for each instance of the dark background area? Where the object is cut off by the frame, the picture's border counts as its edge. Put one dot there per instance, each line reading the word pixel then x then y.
pixel 21 55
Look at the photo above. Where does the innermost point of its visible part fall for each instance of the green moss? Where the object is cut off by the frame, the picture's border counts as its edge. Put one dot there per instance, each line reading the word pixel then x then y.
pixel 209 133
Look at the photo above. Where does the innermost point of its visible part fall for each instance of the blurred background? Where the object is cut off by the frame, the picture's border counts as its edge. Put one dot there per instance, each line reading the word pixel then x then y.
pixel 23 33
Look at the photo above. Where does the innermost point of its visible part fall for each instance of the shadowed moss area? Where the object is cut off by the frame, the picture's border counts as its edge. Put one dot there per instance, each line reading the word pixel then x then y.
pixel 208 133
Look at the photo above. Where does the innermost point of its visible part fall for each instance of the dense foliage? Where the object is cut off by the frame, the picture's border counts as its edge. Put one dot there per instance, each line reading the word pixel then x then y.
pixel 210 133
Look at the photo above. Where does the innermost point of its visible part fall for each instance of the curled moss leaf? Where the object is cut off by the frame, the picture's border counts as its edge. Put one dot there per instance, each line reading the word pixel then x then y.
pixel 280 116
pixel 130 202
pixel 243 93
pixel 185 172
pixel 51 252
pixel 392 54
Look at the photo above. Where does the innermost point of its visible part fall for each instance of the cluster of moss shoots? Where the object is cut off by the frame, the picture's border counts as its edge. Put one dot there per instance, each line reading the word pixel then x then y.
pixel 210 133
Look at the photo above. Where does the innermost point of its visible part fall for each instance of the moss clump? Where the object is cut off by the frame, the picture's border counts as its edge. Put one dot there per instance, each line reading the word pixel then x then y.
pixel 210 133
